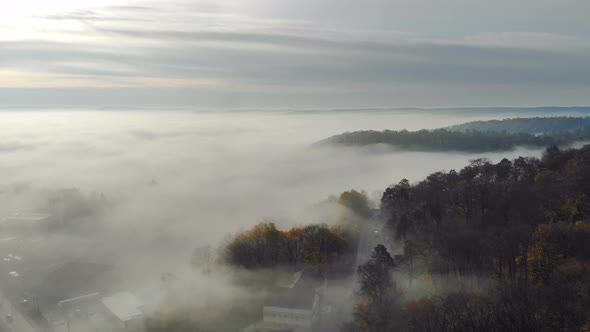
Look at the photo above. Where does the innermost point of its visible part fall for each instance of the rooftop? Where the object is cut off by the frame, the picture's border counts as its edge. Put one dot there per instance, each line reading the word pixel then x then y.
pixel 29 216
pixel 294 292
pixel 125 305
pixel 289 281
pixel 291 298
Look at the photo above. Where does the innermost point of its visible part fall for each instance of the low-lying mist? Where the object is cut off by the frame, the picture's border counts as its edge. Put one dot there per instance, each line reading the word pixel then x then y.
pixel 208 174
pixel 170 182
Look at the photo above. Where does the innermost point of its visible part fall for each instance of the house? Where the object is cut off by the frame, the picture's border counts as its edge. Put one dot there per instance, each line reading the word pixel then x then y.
pixel 119 312
pixel 69 295
pixel 293 306
pixel 79 303
pixel 72 310
pixel 126 311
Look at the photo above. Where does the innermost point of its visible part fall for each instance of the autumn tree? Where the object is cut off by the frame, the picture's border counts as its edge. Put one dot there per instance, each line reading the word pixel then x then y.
pixel 265 246
pixel 357 202
pixel 260 246
pixel 321 244
pixel 293 244
pixel 422 315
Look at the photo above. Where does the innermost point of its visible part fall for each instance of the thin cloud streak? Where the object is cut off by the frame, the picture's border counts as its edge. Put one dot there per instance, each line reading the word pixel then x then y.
pixel 156 44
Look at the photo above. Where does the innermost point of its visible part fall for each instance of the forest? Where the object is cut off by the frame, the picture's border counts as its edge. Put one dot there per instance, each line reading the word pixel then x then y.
pixel 472 137
pixel 491 247
pixel 533 126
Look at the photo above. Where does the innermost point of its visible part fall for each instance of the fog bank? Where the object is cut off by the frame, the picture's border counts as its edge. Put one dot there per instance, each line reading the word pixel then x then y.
pixel 209 174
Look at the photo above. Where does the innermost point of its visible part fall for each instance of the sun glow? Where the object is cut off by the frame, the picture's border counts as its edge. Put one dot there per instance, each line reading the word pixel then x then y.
pixel 24 19
pixel 21 10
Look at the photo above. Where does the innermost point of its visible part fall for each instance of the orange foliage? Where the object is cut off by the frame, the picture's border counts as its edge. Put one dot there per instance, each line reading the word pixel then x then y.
pixel 419 313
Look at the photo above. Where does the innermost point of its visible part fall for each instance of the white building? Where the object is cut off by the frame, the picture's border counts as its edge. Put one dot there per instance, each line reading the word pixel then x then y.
pixel 126 310
pixel 26 222
pixel 292 307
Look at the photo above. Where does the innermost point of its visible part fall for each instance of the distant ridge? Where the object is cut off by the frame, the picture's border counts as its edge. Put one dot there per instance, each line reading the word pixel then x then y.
pixel 473 110
pixel 507 111
pixel 534 126
pixel 477 136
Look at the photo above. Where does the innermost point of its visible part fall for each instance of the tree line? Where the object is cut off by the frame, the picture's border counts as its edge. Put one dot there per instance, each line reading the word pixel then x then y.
pixel 450 140
pixel 533 126
pixel 491 247
pixel 315 246
pixel 318 247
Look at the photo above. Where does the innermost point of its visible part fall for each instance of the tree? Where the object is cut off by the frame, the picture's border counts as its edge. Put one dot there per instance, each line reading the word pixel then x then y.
pixel 410 252
pixel 379 310
pixel 375 275
pixel 503 169
pixel 525 168
pixel 545 250
pixel 553 158
pixel 396 198
pixel 260 246
pixel 436 190
pixel 422 315
pixel 357 202
pixel 320 243
pixel 403 227
pixel 292 241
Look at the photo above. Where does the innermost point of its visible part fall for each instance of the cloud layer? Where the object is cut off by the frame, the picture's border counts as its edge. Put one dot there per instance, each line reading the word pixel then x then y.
pixel 298 54
pixel 208 174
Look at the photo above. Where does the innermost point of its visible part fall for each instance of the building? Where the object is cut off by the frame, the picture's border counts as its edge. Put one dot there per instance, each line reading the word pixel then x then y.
pixel 69 295
pixel 73 310
pixel 119 312
pixel 27 223
pixel 293 306
pixel 126 311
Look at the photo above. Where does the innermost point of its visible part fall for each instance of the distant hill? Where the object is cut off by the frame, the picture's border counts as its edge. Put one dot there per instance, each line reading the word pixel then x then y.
pixel 480 136
pixel 535 126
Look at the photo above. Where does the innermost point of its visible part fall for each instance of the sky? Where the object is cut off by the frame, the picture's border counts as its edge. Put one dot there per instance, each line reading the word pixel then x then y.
pixel 293 54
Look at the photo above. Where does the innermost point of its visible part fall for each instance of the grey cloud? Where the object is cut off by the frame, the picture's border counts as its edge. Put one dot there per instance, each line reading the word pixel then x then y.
pixel 90 17
pixel 15 146
pixel 106 14
pixel 152 135
pixel 235 54
pixel 135 9
pixel 327 62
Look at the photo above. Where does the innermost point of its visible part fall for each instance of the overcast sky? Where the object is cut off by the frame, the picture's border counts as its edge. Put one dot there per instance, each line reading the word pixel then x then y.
pixel 289 54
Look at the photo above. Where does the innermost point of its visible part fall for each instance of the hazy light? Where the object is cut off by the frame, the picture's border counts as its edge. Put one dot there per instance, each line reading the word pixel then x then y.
pixel 22 9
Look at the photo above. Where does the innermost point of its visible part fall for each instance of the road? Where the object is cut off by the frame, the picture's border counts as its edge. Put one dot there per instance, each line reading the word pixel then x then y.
pixel 18 267
pixel 18 324
pixel 369 239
